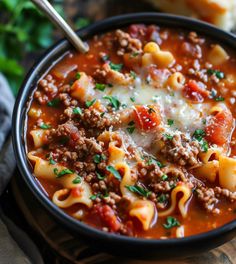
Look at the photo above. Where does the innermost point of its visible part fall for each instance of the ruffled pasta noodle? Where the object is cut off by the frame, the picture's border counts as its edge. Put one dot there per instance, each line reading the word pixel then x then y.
pixel 182 203
pixel 44 170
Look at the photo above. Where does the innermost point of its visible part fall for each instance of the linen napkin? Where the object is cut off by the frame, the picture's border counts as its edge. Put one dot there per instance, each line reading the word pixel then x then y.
pixel 14 243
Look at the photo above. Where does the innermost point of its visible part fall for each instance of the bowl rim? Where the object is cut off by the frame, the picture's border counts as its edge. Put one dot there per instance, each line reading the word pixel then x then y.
pixel 18 118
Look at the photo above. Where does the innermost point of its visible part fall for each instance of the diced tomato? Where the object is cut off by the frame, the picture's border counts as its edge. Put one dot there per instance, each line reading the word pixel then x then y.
pixel 219 128
pixel 147 117
pixel 77 192
pixel 195 91
pixel 108 216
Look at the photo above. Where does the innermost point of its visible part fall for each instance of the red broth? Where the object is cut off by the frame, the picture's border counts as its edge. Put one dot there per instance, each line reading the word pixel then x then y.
pixel 122 135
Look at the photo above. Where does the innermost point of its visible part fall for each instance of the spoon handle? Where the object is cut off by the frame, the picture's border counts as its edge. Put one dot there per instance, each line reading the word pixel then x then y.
pixel 52 14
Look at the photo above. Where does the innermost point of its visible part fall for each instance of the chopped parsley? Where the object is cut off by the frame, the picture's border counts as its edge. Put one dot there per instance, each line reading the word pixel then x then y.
pixel 216 98
pixel 44 126
pixel 62 172
pixel 116 67
pixel 124 106
pixel 78 75
pixel 171 222
pixel 162 198
pixel 102 114
pixel 204 121
pixel 77 111
pixel 138 190
pixel 99 176
pixel 100 86
pixel 153 161
pixel 90 103
pixel 164 177
pixel 134 54
pixel 219 99
pixel 54 102
pixel 131 127
pixel 115 103
pixel 133 74
pixel 218 74
pixel 204 146
pixel 168 136
pixel 99 158
pixel 132 99
pixel 51 161
pixel 95 196
pixel 113 171
pixel 199 134
pixel 77 180
pixel 170 122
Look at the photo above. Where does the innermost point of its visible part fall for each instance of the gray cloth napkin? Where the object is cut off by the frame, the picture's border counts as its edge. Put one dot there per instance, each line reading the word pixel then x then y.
pixel 14 243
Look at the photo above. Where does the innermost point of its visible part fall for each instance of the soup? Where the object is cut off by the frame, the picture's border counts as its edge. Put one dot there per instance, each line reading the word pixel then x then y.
pixel 137 137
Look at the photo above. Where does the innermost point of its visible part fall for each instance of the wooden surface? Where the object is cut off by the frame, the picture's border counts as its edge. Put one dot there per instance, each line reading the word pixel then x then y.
pixel 99 9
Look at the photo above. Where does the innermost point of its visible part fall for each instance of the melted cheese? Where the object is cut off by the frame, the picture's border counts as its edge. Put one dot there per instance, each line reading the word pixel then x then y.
pixel 187 117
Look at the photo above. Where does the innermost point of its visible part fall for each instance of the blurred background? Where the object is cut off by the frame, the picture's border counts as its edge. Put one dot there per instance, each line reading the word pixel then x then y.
pixel 25 33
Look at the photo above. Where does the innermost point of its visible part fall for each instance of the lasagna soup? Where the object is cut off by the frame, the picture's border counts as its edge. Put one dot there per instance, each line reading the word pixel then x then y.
pixel 136 137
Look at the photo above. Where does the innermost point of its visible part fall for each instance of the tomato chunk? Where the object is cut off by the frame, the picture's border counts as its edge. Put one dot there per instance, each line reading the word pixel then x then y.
pixel 195 92
pixel 77 192
pixel 147 117
pixel 219 128
pixel 108 216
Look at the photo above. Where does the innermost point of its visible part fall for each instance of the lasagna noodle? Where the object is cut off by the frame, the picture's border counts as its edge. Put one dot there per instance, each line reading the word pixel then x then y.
pixel 42 169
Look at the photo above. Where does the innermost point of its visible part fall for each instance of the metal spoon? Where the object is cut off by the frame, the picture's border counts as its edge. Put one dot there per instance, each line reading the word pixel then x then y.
pixel 52 14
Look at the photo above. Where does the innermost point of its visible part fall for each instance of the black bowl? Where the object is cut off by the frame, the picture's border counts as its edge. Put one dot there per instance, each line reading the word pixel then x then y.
pixel 115 244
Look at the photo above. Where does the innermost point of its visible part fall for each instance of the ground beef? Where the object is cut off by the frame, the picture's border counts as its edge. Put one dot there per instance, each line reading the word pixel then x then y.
pixel 225 193
pixel 91 118
pixel 107 75
pixel 180 150
pixel 194 38
pixel 207 197
pixel 127 43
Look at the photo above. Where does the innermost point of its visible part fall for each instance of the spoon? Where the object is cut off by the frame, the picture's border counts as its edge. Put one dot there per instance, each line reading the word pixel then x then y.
pixel 55 18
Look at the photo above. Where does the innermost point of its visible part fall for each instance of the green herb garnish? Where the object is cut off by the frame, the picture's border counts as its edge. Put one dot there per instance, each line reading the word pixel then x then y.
pixel 44 126
pixel 162 198
pixel 116 67
pixel 99 176
pixel 90 103
pixel 132 99
pixel 139 190
pixel 219 99
pixel 99 158
pixel 51 161
pixel 164 177
pixel 113 171
pixel 199 134
pixel 153 161
pixel 62 172
pixel 218 74
pixel 77 180
pixel 78 75
pixel 133 74
pixel 171 222
pixel 130 129
pixel 170 122
pixel 77 111
pixel 115 103
pixel 168 136
pixel 54 102
pixel 100 86
pixel 105 58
